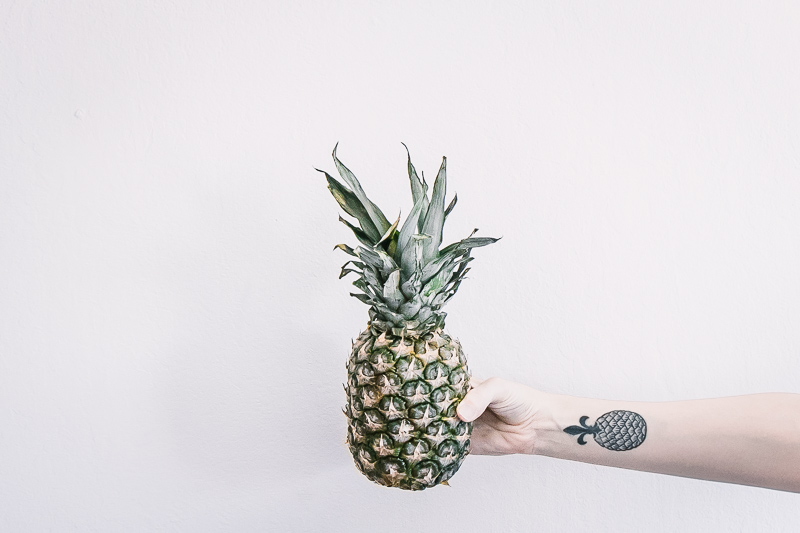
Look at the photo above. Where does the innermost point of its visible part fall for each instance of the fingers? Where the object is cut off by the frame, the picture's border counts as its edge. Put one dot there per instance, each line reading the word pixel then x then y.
pixel 480 397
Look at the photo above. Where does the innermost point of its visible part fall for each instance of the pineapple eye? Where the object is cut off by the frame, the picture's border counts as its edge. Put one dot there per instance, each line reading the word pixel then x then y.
pixel 392 407
pixel 448 472
pixel 358 431
pixel 416 449
pixel 389 383
pixel 459 428
pixel 356 406
pixel 409 368
pixel 392 468
pixel 426 470
pixel 364 374
pixel 423 412
pixel 401 430
pixel 443 394
pixel 437 428
pixel 382 356
pixel 382 443
pixel 450 411
pixel 448 448
pixel 458 378
pixel 434 371
pixel 414 388
pixel 374 418
pixel 366 455
pixel 370 396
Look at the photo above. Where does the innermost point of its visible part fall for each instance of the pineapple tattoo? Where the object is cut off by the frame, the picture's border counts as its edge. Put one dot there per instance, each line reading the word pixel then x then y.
pixel 615 430
pixel 405 375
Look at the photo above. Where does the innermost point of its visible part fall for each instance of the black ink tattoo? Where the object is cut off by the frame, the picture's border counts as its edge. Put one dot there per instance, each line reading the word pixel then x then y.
pixel 617 430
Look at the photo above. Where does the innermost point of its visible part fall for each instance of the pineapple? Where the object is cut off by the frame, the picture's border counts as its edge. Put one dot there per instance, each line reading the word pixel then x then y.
pixel 405 375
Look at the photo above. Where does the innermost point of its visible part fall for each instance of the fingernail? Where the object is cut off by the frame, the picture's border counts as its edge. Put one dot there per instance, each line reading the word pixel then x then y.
pixel 465 412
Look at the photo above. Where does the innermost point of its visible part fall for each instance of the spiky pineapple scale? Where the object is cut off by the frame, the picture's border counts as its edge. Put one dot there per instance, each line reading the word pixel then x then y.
pixel 402 394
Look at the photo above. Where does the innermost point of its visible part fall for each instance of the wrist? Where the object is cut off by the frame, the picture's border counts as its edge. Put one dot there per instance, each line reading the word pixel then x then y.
pixel 560 411
pixel 547 425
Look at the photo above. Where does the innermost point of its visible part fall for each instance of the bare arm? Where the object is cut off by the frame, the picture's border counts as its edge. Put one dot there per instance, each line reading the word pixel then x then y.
pixel 749 440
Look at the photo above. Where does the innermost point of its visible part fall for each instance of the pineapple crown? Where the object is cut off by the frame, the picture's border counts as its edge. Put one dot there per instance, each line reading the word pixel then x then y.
pixel 403 275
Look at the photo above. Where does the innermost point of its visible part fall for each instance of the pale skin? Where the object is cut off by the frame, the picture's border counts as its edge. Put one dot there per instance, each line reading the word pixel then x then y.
pixel 749 440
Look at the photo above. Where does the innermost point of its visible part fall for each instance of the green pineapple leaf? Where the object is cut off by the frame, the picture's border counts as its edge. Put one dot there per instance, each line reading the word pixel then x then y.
pixel 346 249
pixel 391 291
pixel 360 235
pixel 411 287
pixel 468 243
pixel 345 271
pixel 377 259
pixel 396 318
pixel 448 255
pixel 435 285
pixel 424 315
pixel 411 308
pixel 434 218
pixel 391 248
pixel 388 264
pixel 352 206
pixel 389 232
pixel 364 298
pixel 419 191
pixel 361 284
pixel 375 214
pixel 412 257
pixel 372 279
pixel 427 204
pixel 451 206
pixel 409 226
pixel 430 270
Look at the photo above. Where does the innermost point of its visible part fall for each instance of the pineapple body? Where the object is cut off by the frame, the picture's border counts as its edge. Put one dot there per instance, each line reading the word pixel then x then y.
pixel 402 393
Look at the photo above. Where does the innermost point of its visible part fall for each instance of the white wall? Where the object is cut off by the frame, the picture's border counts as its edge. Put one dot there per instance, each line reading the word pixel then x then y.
pixel 172 332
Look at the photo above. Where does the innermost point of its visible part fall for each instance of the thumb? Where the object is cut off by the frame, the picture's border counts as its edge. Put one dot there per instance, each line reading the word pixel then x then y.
pixel 476 401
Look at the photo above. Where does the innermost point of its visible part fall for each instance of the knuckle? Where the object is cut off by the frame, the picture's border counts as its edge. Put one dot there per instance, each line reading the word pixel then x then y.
pixel 495 382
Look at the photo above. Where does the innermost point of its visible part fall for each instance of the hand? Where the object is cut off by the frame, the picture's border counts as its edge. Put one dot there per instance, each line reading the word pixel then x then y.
pixel 509 424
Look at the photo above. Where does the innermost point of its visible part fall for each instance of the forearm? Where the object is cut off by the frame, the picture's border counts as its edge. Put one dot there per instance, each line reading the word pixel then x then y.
pixel 751 440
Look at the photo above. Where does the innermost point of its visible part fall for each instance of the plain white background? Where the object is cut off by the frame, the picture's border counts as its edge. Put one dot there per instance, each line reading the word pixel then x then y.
pixel 172 330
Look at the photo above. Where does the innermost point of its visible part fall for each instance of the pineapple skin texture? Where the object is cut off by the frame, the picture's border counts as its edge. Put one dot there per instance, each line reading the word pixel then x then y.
pixel 402 394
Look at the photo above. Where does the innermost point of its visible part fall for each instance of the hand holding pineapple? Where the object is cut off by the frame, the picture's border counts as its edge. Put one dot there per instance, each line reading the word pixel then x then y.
pixel 749 440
